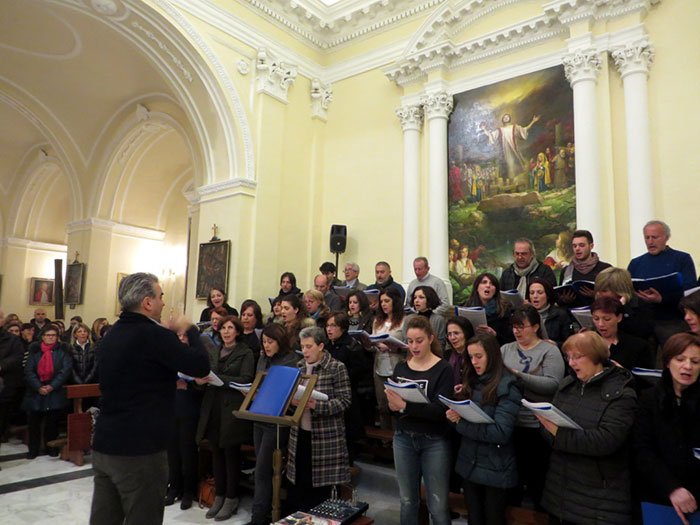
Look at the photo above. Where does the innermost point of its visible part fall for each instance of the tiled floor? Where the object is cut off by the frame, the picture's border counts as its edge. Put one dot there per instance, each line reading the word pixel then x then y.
pixel 24 500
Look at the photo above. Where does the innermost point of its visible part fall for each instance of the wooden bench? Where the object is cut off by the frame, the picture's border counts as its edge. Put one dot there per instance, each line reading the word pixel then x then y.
pixel 376 438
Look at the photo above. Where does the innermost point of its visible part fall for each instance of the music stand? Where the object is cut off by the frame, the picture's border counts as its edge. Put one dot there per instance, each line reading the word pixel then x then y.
pixel 284 420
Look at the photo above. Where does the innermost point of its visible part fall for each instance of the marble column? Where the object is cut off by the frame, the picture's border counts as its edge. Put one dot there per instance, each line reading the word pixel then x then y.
pixel 411 118
pixel 438 107
pixel 581 68
pixel 633 61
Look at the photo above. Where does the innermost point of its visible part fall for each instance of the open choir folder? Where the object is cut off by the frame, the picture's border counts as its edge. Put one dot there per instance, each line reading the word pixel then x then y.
pixel 275 391
pixel 654 514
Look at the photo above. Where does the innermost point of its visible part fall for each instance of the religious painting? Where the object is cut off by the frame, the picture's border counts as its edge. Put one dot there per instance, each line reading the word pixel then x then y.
pixel 74 283
pixel 118 307
pixel 511 174
pixel 41 291
pixel 212 271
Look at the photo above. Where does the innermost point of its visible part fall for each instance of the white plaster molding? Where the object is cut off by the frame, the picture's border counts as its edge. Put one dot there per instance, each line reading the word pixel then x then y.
pixel 569 11
pixel 449 55
pixel 243 66
pixel 327 28
pixel 225 79
pixel 115 228
pixel 321 97
pixel 411 117
pixel 16 242
pixel 438 105
pixel 633 58
pixel 175 59
pixel 582 65
pixel 226 185
pixel 274 76
pixel 136 138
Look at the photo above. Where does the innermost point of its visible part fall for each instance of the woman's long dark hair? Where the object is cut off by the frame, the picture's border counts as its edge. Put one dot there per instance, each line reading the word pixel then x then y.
pixel 397 313
pixel 422 323
pixel 494 369
pixel 475 300
pixel 209 303
pixel 432 301
pixel 277 332
pixel 257 311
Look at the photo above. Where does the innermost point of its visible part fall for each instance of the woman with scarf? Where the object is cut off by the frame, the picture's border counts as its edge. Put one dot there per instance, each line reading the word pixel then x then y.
pixel 360 315
pixel 487 294
pixel 48 367
pixel 424 301
pixel 317 307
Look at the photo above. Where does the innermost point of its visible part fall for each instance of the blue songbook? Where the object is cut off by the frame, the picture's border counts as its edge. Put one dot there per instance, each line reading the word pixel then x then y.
pixel 664 284
pixel 279 385
pixel 654 514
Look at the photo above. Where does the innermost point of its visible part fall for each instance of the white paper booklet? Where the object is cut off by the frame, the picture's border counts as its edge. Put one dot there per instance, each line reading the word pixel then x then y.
pixel 215 379
pixel 513 297
pixel 551 413
pixel 646 372
pixel 319 396
pixel 243 387
pixel 409 391
pixel 467 409
pixel 584 317
pixel 476 315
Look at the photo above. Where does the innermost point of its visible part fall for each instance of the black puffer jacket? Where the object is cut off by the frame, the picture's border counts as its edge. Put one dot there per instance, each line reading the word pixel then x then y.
pixel 588 480
pixel 665 433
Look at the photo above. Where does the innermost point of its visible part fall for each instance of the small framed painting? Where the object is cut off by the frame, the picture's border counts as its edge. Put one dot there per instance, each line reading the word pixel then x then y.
pixel 41 291
pixel 74 283
pixel 212 271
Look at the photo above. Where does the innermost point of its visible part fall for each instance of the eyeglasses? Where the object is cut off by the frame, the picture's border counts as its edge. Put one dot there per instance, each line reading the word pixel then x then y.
pixel 572 357
pixel 520 327
pixel 50 335
pixel 331 325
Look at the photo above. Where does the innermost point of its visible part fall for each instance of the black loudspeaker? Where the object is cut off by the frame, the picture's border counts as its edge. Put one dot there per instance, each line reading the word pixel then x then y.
pixel 339 237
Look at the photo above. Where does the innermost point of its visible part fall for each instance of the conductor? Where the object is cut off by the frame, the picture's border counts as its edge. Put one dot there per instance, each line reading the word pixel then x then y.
pixel 138 364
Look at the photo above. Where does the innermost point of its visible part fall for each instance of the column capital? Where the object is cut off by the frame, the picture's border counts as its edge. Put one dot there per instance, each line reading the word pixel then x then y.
pixel 274 76
pixel 411 117
pixel 635 57
pixel 321 97
pixel 438 105
pixel 582 64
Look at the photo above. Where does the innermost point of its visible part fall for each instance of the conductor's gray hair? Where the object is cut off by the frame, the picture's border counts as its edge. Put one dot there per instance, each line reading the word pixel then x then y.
pixel 666 227
pixel 134 288
pixel 313 332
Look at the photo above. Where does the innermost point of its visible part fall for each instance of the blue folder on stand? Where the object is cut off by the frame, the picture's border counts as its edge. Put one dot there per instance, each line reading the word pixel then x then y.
pixel 279 385
pixel 654 514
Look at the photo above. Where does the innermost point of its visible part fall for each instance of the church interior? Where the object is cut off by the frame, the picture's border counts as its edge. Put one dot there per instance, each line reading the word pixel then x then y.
pixel 132 131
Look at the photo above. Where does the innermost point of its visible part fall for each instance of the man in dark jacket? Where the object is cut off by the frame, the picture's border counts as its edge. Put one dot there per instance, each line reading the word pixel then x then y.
pixel 11 376
pixel 527 266
pixel 138 364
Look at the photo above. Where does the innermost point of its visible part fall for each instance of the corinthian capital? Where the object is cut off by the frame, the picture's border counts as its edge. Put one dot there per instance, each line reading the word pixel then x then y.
pixel 633 58
pixel 411 117
pixel 437 105
pixel 581 65
pixel 274 76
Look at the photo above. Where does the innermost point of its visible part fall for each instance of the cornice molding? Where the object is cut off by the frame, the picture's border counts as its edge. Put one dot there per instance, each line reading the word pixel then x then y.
pixel 449 55
pixel 16 242
pixel 325 28
pixel 115 228
pixel 230 185
pixel 568 11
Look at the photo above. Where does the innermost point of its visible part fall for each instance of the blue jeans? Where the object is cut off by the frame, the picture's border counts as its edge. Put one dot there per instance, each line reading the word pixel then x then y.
pixel 429 456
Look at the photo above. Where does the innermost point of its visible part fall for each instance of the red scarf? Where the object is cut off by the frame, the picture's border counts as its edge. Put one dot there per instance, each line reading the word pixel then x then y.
pixel 45 366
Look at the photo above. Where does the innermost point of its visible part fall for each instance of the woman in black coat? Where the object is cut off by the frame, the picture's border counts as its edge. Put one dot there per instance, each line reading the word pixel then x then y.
pixel 588 480
pixel 556 323
pixel 83 354
pixel 358 362
pixel 360 315
pixel 667 427
pixel 47 370
pixel 486 293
